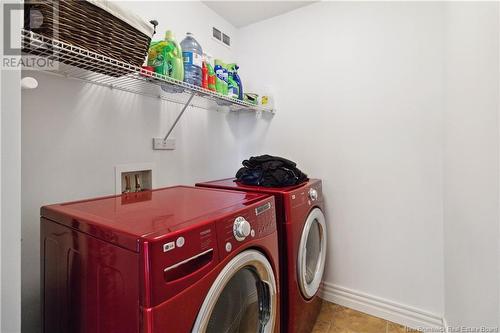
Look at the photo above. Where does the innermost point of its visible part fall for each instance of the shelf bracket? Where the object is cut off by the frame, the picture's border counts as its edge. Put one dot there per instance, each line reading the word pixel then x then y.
pixel 184 108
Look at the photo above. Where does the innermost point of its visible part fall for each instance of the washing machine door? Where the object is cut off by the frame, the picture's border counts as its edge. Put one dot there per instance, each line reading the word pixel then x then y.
pixel 242 299
pixel 312 253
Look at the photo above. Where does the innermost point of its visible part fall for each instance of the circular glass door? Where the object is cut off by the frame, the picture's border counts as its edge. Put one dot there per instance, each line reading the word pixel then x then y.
pixel 312 253
pixel 242 299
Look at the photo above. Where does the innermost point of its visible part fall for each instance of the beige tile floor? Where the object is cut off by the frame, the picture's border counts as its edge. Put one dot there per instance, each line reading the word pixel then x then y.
pixel 334 318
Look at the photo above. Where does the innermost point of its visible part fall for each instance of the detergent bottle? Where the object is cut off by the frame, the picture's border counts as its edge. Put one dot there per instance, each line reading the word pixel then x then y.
pixel 156 56
pixel 211 72
pixel 173 58
pixel 204 75
pixel 166 57
pixel 221 81
pixel 237 87
pixel 232 86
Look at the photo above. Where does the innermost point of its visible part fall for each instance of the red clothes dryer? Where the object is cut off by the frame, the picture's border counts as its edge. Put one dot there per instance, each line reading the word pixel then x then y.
pixel 302 238
pixel 173 260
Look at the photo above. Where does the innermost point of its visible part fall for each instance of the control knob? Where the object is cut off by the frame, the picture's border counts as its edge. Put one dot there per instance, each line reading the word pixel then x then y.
pixel 313 194
pixel 241 228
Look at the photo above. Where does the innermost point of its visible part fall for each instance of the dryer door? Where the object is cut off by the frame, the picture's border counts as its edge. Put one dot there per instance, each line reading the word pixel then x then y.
pixel 242 299
pixel 312 253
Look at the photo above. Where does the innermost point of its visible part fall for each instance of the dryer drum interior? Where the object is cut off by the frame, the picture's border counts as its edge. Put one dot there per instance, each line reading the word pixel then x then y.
pixel 242 298
pixel 312 253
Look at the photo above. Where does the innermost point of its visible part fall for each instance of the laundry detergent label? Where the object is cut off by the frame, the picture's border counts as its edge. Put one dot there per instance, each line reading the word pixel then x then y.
pixel 191 58
pixel 222 74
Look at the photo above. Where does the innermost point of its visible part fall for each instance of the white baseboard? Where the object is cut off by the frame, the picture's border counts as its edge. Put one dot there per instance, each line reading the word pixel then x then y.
pixel 382 308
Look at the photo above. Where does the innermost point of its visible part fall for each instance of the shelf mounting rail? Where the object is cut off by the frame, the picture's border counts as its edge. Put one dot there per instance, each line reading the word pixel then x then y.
pixel 179 116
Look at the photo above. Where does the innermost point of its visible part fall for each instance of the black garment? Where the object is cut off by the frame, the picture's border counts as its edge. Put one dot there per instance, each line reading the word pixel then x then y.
pixel 270 171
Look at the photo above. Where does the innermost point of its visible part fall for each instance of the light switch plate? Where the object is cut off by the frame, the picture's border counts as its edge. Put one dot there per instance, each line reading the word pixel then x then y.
pixel 159 144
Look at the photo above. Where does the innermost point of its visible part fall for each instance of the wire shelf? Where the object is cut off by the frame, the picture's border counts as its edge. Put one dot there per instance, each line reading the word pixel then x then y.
pixel 74 62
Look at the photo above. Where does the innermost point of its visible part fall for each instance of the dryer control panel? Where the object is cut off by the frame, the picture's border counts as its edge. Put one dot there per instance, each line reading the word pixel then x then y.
pixel 254 222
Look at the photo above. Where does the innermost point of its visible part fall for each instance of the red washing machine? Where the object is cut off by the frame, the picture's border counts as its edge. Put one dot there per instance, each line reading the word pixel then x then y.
pixel 302 239
pixel 173 260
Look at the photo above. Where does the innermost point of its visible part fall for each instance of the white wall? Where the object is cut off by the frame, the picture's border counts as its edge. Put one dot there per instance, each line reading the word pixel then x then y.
pixel 471 167
pixel 359 90
pixel 10 179
pixel 391 104
pixel 395 106
pixel 11 202
pixel 73 134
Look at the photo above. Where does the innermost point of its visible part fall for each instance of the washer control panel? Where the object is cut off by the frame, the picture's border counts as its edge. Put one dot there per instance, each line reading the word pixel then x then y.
pixel 313 194
pixel 254 222
pixel 309 195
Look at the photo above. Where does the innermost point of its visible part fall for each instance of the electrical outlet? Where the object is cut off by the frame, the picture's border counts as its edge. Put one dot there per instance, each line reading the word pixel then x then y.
pixel 160 144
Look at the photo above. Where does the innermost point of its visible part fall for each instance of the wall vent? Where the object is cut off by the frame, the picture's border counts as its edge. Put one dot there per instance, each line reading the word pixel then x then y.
pixel 226 39
pixel 217 34
pixel 221 37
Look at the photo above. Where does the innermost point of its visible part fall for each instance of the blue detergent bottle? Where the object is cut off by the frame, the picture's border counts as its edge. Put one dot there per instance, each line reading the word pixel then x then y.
pixel 233 72
pixel 193 60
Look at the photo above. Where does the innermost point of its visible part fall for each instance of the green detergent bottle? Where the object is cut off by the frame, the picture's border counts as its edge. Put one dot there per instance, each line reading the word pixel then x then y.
pixel 173 57
pixel 156 56
pixel 165 57
pixel 221 83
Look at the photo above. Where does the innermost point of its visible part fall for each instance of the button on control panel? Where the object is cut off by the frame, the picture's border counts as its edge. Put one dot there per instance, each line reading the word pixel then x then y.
pixel 180 241
pixel 241 228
